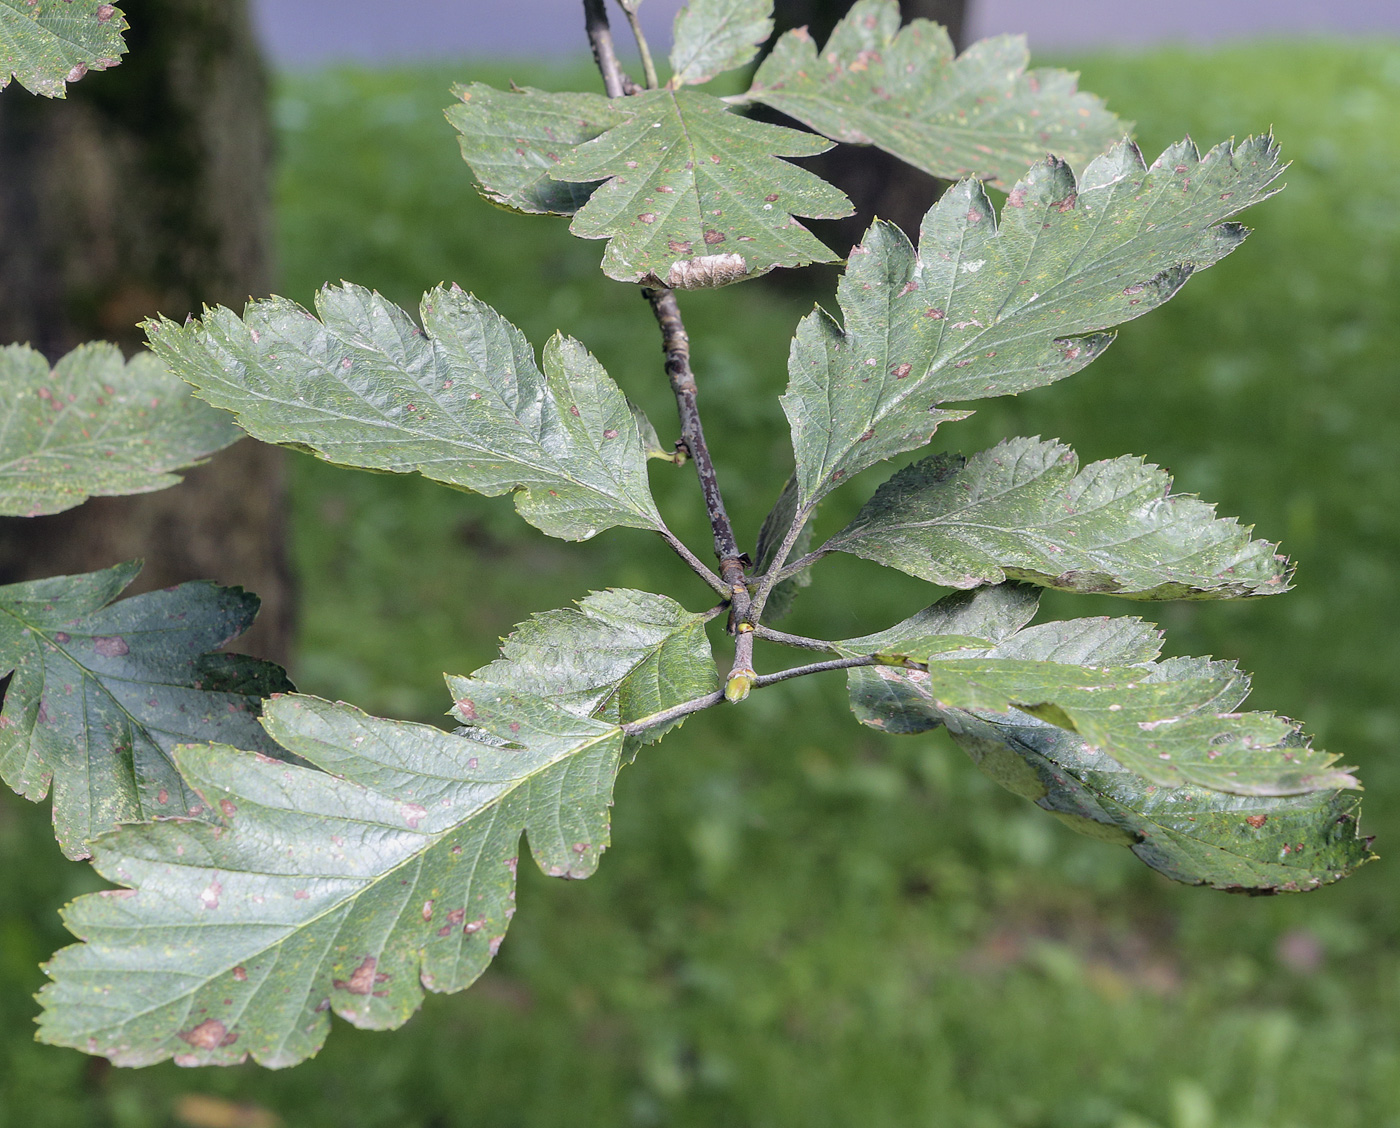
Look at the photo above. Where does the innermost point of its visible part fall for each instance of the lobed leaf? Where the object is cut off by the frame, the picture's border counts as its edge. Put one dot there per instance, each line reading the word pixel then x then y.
pixel 713 36
pixel 1242 843
pixel 96 425
pixel 982 311
pixel 1194 834
pixel 1024 511
pixel 512 139
pixel 982 114
pixel 620 656
pixel 694 195
pixel 465 405
pixel 46 44
pixel 1173 723
pixel 348 890
pixel 100 693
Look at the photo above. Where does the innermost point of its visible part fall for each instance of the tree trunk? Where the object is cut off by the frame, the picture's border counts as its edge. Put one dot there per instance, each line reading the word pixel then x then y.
pixel 877 183
pixel 147 191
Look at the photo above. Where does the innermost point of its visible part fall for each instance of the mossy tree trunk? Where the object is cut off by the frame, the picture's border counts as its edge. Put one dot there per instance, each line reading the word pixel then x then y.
pixel 877 183
pixel 147 191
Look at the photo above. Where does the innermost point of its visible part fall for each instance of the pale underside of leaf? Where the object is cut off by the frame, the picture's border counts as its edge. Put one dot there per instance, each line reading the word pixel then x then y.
pixel 983 311
pixel 694 195
pixel 464 404
pixel 1190 833
pixel 101 693
pixel 46 44
pixel 1025 511
pixel 1198 836
pixel 1174 723
pixel 713 36
pixel 96 425
pixel 511 140
pixel 348 892
pixel 982 114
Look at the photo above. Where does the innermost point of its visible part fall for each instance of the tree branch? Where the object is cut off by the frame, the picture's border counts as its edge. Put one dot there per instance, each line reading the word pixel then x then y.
pixel 696 564
pixel 802 642
pixel 675 343
pixel 615 80
pixel 821 667
pixel 776 570
pixel 648 67
pixel 675 712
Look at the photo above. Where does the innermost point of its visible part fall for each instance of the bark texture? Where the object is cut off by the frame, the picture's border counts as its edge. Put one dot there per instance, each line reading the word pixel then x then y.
pixel 877 183
pixel 148 190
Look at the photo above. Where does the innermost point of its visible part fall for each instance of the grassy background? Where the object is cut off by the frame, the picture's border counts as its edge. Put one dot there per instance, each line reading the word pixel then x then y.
pixel 802 921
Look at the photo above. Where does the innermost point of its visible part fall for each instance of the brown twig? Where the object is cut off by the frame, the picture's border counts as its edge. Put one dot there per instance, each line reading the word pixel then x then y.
pixel 615 80
pixel 675 344
pixel 822 667
pixel 641 724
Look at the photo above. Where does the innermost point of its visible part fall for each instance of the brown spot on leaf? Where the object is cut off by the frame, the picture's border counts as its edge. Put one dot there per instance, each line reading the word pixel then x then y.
pixel 902 370
pixel 679 247
pixel 362 979
pixel 227 807
pixel 240 974
pixel 62 636
pixel 771 198
pixel 209 1035
pixel 1256 821
pixel 113 646
pixel 934 314
pixel 712 236
pixel 647 217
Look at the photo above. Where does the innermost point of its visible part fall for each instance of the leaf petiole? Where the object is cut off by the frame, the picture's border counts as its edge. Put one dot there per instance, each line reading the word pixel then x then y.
pixel 648 67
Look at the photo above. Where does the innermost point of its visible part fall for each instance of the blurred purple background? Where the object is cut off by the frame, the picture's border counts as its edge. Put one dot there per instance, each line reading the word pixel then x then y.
pixel 298 32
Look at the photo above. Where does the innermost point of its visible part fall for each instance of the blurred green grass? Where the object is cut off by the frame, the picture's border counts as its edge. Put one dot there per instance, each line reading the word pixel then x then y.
pixel 801 921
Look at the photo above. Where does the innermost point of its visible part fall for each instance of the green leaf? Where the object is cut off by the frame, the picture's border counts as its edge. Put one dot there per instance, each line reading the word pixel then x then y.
pixel 1194 835
pixel 713 36
pixel 96 425
pixel 1191 834
pixel 47 43
pixel 101 693
pixel 984 617
pixel 348 892
pixel 622 655
pixel 983 312
pixel 694 195
pixel 512 139
pixel 465 404
pixel 983 114
pixel 1024 511
pixel 1173 723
